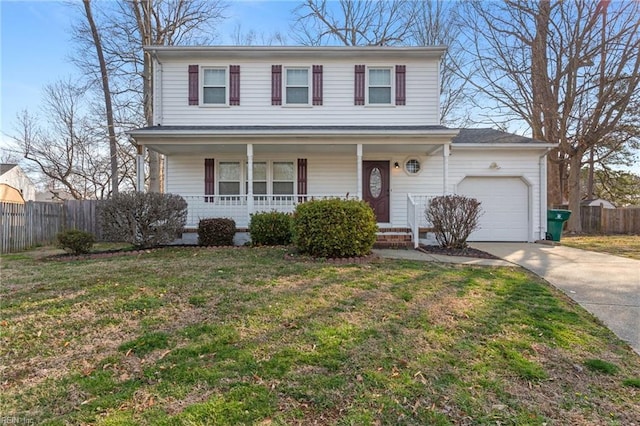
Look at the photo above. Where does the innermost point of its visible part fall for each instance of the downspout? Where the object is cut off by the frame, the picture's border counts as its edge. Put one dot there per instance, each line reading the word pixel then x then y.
pixel 542 228
pixel 157 89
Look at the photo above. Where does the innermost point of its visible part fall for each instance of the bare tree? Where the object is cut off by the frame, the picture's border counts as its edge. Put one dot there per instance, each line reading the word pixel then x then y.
pixel 63 146
pixel 568 69
pixel 239 37
pixel 104 74
pixel 353 22
pixel 129 25
pixel 436 23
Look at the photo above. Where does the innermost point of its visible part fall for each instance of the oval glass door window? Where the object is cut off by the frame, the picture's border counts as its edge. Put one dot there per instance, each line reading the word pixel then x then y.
pixel 375 182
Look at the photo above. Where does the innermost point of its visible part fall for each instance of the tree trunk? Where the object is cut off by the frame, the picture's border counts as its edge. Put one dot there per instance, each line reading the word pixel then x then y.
pixel 575 224
pixel 113 144
pixel 554 193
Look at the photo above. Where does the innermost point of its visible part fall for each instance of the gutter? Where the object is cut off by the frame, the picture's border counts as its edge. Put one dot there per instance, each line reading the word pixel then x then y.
pixel 160 133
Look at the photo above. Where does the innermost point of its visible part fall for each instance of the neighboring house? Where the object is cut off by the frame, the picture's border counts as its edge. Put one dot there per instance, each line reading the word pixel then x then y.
pixel 247 129
pixel 598 202
pixel 55 196
pixel 13 176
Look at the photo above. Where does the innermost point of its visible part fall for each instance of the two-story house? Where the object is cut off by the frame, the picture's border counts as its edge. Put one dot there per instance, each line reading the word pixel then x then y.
pixel 248 129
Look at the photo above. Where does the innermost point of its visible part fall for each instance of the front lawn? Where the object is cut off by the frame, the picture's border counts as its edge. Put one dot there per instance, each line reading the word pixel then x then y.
pixel 192 336
pixel 619 245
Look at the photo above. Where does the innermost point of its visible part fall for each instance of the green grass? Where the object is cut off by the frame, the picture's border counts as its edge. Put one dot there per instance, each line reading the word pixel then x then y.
pixel 601 366
pixel 619 245
pixel 188 336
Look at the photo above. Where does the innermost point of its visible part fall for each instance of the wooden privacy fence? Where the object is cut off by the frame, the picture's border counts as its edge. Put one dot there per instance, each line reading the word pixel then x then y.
pixel 598 220
pixel 26 225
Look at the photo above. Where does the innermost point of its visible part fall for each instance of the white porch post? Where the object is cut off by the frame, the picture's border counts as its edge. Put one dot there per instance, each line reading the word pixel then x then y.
pixel 445 169
pixel 140 169
pixel 249 180
pixel 359 168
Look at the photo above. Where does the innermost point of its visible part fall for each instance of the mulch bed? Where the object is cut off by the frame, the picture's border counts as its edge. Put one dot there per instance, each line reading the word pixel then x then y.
pixel 294 256
pixel 129 252
pixel 465 252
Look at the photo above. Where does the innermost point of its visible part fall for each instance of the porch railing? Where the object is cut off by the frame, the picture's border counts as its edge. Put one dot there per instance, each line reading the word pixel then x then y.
pixel 416 206
pixel 240 207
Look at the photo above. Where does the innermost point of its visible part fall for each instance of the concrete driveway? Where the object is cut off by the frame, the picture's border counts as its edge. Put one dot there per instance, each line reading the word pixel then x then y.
pixel 605 285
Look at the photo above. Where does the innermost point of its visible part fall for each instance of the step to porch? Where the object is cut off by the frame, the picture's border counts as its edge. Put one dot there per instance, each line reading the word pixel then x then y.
pixel 396 238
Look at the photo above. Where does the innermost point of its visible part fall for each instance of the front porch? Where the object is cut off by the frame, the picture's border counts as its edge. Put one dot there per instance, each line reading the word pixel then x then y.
pixel 241 207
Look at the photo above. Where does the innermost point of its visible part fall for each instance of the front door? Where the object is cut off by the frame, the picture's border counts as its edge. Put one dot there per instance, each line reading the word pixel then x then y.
pixel 375 188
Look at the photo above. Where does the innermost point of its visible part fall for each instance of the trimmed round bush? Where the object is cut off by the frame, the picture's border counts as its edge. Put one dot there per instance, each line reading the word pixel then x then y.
pixel 75 241
pixel 270 229
pixel 216 232
pixel 334 228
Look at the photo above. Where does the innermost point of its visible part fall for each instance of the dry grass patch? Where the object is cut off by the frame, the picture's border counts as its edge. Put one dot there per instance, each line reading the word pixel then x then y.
pixel 619 245
pixel 228 336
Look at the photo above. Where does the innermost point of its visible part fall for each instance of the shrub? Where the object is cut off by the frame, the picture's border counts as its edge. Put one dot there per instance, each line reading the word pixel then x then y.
pixel 454 218
pixel 144 219
pixel 216 232
pixel 334 228
pixel 75 241
pixel 273 228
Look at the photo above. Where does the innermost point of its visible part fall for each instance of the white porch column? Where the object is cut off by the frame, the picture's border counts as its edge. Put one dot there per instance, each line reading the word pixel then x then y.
pixel 140 169
pixel 249 179
pixel 445 169
pixel 359 168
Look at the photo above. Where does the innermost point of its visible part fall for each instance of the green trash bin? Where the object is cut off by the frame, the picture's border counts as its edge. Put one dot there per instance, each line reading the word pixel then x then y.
pixel 555 221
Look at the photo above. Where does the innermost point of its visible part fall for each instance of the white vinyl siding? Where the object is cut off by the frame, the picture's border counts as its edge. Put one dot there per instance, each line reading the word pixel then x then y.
pixel 338 85
pixel 337 175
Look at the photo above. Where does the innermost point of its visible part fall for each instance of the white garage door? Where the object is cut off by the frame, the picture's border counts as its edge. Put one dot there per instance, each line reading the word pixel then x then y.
pixel 505 203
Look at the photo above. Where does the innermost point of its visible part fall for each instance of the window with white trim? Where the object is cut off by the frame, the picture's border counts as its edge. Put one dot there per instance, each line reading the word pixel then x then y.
pixel 412 166
pixel 229 178
pixel 260 183
pixel 214 86
pixel 283 178
pixel 379 90
pixel 296 86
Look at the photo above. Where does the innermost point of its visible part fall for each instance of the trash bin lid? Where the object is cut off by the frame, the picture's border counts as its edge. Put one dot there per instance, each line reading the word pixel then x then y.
pixel 558 214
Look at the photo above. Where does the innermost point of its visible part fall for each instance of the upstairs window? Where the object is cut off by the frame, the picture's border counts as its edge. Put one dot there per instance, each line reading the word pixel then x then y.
pixel 379 86
pixel 214 86
pixel 297 86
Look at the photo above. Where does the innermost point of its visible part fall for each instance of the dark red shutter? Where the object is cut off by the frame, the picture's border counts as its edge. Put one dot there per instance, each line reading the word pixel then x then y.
pixel 276 85
pixel 359 85
pixel 209 179
pixel 317 84
pixel 302 178
pixel 401 86
pixel 234 85
pixel 193 85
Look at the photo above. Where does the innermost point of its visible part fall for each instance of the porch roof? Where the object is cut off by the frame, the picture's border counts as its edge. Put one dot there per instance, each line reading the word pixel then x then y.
pixel 280 131
pixel 171 140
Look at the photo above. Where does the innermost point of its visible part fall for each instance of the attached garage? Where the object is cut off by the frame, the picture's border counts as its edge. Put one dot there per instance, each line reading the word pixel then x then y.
pixel 505 203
